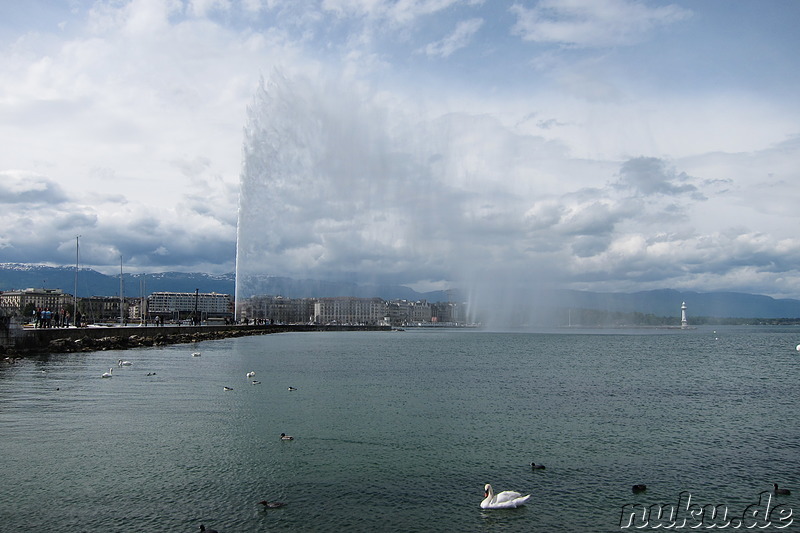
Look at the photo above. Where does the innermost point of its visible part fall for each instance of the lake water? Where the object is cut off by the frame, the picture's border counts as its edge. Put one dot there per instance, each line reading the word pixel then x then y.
pixel 399 431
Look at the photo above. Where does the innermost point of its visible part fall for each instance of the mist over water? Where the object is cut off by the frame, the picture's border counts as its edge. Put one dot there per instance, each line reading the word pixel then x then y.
pixel 341 183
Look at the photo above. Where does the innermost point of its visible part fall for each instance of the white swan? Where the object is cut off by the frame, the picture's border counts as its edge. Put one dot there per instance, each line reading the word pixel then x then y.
pixel 120 362
pixel 108 374
pixel 508 499
pixel 195 354
pixel 251 374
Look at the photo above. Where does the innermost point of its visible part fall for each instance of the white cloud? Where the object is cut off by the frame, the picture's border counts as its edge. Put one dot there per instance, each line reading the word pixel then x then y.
pixel 592 23
pixel 457 40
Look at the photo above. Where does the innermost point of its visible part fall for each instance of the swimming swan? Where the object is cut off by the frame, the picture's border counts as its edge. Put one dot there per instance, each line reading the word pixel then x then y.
pixel 120 362
pixel 508 499
pixel 108 374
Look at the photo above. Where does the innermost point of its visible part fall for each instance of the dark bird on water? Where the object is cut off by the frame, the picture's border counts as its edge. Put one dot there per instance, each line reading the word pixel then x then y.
pixel 639 488
pixel 537 467
pixel 271 505
pixel 777 491
pixel 203 528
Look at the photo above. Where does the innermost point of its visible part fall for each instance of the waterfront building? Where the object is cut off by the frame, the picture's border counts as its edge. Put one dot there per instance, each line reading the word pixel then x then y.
pixel 277 309
pixel 103 308
pixel 406 312
pixel 182 304
pixel 19 301
pixel 350 310
pixel 448 313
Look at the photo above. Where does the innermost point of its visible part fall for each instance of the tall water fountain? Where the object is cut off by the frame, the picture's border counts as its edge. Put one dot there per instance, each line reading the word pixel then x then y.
pixel 327 177
pixel 342 184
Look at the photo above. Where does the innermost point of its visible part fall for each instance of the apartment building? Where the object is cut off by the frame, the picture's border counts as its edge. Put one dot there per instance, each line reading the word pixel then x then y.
pixel 350 310
pixel 278 310
pixel 15 302
pixel 207 304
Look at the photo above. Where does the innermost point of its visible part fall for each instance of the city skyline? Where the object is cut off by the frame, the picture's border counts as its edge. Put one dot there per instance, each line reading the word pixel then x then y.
pixel 607 145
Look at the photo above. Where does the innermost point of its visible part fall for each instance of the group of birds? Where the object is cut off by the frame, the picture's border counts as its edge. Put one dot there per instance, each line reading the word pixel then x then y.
pixel 110 373
pixel 509 499
pixel 251 375
pixel 120 362
pixel 639 488
pixel 284 436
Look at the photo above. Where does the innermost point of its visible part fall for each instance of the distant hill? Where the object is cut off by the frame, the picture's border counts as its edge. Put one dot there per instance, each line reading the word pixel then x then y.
pixel 663 302
pixel 92 283
pixel 667 302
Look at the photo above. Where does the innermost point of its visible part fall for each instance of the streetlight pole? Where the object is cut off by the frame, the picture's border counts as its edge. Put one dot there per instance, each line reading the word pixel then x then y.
pixel 121 296
pixel 75 297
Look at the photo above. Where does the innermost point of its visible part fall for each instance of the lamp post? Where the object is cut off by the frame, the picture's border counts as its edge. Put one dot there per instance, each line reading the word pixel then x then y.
pixel 75 297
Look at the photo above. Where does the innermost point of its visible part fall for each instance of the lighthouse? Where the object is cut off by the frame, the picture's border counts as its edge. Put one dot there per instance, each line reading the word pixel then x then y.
pixel 684 322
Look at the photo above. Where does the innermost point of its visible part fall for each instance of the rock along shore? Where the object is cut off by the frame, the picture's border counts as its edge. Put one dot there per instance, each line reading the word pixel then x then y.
pixel 30 342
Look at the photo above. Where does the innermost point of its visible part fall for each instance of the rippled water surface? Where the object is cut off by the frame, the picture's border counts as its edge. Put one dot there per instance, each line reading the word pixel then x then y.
pixel 399 431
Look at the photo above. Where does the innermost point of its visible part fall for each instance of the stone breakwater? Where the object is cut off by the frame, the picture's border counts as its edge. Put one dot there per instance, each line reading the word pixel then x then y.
pixel 41 341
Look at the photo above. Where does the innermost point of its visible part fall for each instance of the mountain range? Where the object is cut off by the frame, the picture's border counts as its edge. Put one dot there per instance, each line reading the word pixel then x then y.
pixel 664 302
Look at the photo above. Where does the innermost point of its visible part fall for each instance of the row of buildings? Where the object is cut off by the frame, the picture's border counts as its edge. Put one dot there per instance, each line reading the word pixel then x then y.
pixel 165 305
pixel 351 310
pixel 177 306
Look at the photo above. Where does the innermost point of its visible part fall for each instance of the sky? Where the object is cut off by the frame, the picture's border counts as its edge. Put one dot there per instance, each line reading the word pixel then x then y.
pixel 606 145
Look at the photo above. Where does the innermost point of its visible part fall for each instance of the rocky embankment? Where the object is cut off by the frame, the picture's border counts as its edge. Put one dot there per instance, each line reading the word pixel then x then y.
pixel 33 342
pixel 122 342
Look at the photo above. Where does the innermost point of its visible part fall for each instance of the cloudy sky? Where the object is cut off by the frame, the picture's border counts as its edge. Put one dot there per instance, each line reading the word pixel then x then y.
pixel 611 145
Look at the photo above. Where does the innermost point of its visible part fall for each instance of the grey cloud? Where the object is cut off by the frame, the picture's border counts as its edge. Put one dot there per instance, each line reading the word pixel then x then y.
pixel 650 175
pixel 42 233
pixel 588 246
pixel 17 187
